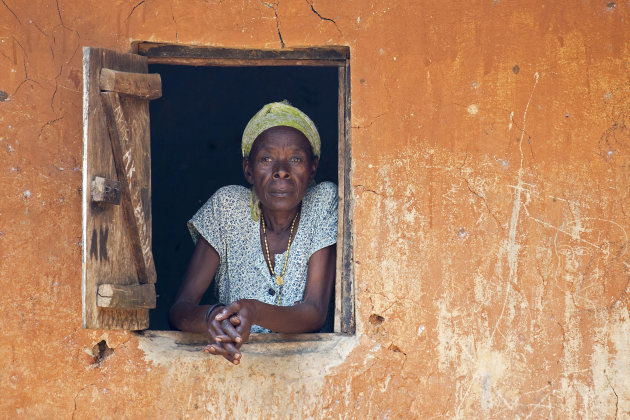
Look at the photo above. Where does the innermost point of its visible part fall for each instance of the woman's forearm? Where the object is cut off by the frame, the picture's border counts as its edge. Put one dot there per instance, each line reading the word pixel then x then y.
pixel 302 317
pixel 189 317
pixel 186 314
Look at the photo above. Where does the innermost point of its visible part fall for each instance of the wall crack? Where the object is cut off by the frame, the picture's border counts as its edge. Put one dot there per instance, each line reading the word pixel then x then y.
pixel 476 194
pixel 310 3
pixel 134 9
pixel 77 396
pixel 175 22
pixel 52 100
pixel 513 247
pixel 614 392
pixel 274 6
pixel 360 127
pixel 40 29
pixel 47 124
pixel 59 13
pixel 26 78
pixel 9 9
pixel 379 193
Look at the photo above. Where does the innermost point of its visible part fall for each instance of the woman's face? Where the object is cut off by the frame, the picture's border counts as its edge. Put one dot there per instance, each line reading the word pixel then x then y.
pixel 280 166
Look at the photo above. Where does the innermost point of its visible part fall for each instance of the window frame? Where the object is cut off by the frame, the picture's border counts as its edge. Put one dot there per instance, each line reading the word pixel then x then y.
pixel 332 56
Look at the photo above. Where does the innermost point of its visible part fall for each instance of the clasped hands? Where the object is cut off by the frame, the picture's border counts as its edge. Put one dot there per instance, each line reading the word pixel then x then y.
pixel 228 328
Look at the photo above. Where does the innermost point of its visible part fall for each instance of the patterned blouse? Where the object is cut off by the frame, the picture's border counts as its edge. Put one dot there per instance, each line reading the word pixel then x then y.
pixel 225 221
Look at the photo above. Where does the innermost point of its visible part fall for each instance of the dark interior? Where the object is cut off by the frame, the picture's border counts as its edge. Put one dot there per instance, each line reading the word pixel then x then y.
pixel 196 129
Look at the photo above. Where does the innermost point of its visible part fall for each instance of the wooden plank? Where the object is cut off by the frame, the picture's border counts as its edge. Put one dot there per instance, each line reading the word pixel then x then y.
pixel 133 206
pixel 147 86
pixel 105 190
pixel 348 323
pixel 237 62
pixel 148 49
pixel 126 297
pixel 341 106
pixel 105 241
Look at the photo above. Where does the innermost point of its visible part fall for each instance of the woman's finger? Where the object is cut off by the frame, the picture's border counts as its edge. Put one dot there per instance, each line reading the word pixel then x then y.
pixel 228 311
pixel 235 320
pixel 230 353
pixel 244 329
pixel 214 349
pixel 218 333
pixel 218 351
pixel 228 329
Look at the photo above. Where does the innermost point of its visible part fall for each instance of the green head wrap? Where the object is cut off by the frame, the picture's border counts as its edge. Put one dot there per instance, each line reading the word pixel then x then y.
pixel 280 114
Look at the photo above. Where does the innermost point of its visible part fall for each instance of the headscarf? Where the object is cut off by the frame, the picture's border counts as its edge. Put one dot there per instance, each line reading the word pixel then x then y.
pixel 280 114
pixel 277 114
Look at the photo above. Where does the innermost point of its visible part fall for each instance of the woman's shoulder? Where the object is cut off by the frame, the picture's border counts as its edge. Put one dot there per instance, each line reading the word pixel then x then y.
pixel 224 208
pixel 324 191
pixel 319 212
pixel 231 194
pixel 321 197
pixel 227 201
pixel 231 191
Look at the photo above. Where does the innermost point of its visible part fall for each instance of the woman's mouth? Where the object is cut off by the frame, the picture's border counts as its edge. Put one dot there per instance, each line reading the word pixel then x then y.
pixel 280 193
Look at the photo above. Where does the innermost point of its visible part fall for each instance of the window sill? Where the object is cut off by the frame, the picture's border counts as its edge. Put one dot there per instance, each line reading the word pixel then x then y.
pixel 163 346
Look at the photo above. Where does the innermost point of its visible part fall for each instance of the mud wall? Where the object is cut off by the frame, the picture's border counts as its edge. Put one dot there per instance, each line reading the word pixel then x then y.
pixel 491 152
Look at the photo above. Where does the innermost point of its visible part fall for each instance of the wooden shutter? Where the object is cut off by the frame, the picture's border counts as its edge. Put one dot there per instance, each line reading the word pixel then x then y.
pixel 118 270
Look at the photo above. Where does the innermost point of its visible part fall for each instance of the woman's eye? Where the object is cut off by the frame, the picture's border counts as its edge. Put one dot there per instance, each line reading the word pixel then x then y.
pixel 295 159
pixel 265 159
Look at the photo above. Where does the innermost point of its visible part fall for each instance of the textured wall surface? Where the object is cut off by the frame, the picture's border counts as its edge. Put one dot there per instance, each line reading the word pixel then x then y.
pixel 491 154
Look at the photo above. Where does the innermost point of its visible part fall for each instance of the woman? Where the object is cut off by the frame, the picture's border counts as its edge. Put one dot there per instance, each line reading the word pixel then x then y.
pixel 270 249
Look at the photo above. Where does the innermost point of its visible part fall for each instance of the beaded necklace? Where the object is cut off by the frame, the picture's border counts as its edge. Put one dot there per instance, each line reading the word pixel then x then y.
pixel 279 279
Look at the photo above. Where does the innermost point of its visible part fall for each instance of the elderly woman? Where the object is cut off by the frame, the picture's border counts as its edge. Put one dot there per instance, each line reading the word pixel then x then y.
pixel 270 249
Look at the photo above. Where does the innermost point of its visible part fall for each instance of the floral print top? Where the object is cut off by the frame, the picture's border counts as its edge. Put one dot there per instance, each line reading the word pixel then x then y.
pixel 225 221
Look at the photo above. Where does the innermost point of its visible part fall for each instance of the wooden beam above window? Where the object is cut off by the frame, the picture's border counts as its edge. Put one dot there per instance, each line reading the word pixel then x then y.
pixel 219 56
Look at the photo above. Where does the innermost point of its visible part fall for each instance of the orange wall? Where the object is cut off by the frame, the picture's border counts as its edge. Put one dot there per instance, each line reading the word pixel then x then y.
pixel 491 154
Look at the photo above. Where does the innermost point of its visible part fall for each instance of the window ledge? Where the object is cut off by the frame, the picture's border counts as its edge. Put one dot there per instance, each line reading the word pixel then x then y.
pixel 326 350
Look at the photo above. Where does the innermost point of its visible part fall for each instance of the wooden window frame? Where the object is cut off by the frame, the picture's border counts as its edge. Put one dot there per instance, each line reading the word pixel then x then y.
pixel 336 56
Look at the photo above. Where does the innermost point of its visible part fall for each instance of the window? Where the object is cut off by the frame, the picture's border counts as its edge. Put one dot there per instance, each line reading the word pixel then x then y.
pixel 117 190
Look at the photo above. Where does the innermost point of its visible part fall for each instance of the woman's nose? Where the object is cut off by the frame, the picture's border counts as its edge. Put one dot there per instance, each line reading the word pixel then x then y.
pixel 281 171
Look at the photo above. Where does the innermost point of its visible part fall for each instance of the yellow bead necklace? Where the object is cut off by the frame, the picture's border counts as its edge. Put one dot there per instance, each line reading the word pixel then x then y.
pixel 279 279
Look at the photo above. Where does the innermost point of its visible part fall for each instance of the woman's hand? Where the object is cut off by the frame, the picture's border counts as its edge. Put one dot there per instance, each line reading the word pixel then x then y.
pixel 240 316
pixel 223 336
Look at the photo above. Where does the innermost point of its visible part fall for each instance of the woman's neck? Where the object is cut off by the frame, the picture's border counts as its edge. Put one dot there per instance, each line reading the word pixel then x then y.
pixel 278 222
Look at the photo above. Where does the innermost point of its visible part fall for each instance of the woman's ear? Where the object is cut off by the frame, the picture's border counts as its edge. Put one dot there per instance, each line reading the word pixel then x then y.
pixel 247 171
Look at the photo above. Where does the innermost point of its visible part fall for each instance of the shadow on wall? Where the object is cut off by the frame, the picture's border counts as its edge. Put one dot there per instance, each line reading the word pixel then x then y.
pixel 196 130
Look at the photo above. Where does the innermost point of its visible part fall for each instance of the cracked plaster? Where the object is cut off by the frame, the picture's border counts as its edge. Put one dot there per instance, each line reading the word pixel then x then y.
pixel 525 315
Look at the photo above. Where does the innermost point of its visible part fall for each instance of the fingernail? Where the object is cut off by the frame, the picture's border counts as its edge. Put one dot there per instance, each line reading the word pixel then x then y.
pixel 235 362
pixel 237 356
pixel 238 339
